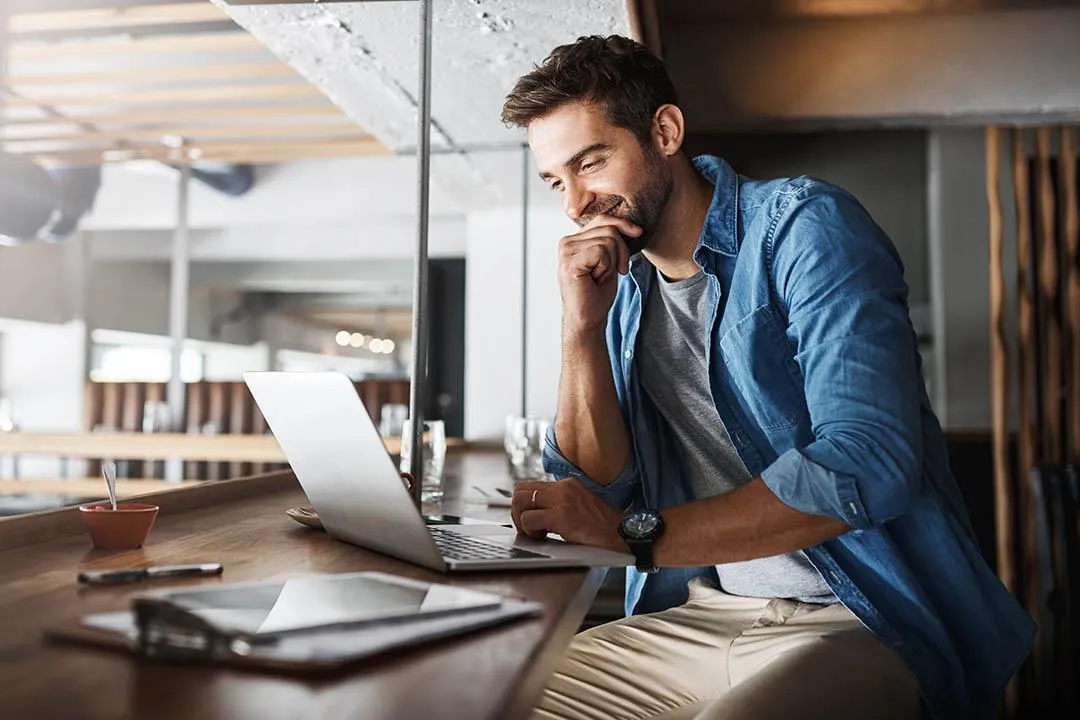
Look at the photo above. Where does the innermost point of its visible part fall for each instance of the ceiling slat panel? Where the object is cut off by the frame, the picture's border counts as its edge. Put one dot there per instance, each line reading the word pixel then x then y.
pixel 123 17
pixel 195 43
pixel 177 95
pixel 158 76
pixel 117 83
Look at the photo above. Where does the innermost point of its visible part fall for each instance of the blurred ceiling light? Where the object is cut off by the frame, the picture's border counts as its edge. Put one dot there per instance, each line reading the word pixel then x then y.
pixel 357 340
pixel 342 338
pixel 388 346
pixel 376 345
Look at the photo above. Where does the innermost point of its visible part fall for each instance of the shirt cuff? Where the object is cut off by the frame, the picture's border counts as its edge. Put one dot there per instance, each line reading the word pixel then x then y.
pixel 618 493
pixel 803 484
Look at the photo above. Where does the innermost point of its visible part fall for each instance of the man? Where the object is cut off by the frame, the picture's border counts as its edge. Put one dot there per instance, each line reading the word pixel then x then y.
pixel 741 405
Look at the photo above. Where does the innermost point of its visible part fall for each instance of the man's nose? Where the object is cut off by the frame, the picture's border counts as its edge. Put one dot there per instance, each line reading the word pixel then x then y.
pixel 576 199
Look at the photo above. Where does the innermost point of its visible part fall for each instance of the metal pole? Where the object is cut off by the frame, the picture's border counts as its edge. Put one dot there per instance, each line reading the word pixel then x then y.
pixel 524 281
pixel 420 279
pixel 178 313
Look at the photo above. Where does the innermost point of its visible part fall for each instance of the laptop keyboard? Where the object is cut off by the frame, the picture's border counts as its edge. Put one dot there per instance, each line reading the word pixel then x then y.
pixel 455 546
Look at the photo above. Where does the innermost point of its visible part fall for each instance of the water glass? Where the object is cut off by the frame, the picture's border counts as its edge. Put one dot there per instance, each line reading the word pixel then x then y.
pixel 524 442
pixel 156 417
pixel 392 419
pixel 7 416
pixel 434 454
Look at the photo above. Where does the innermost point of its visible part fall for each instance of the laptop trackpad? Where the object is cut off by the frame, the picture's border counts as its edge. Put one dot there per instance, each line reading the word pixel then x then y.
pixel 498 531
pixel 458 520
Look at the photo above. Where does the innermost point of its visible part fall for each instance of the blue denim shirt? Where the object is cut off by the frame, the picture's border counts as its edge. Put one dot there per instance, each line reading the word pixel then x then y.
pixel 815 373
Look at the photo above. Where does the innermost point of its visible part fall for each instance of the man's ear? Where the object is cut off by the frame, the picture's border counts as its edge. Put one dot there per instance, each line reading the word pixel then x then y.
pixel 668 129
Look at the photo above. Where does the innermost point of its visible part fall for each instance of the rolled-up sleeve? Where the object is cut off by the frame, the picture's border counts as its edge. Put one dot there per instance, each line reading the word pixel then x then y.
pixel 840 282
pixel 619 493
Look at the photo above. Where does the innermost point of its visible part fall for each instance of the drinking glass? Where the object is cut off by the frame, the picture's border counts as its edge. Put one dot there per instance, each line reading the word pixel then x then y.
pixel 156 417
pixel 434 455
pixel 392 418
pixel 524 442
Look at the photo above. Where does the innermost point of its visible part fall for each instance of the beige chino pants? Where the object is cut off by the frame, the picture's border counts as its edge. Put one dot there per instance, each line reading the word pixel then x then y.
pixel 720 657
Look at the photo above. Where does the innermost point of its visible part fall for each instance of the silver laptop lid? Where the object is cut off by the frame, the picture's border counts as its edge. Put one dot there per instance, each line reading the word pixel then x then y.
pixel 341 462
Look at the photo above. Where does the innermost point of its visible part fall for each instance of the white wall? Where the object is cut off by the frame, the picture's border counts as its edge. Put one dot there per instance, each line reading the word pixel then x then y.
pixel 331 191
pixel 493 317
pixel 33 283
pixel 374 237
pixel 42 367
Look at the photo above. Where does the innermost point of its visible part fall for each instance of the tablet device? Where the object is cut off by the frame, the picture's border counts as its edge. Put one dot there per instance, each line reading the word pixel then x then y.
pixel 264 610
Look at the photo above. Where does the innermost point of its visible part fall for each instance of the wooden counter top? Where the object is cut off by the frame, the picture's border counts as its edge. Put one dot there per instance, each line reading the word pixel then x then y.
pixel 158 446
pixel 494 674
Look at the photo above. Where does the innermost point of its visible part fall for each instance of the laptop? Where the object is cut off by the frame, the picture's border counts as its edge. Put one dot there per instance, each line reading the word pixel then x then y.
pixel 343 466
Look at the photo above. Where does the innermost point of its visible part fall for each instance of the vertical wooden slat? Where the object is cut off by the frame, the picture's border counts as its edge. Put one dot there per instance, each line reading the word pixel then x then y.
pixel 110 406
pixel 369 392
pixel 1025 298
pixel 111 410
pixel 1051 299
pixel 218 409
pixel 1071 233
pixel 94 395
pixel 258 427
pixel 239 422
pixel 93 407
pixel 155 392
pixel 195 409
pixel 131 416
pixel 1026 360
pixel 1003 491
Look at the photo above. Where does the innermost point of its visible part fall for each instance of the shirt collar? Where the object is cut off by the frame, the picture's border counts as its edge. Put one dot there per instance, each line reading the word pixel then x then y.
pixel 720 232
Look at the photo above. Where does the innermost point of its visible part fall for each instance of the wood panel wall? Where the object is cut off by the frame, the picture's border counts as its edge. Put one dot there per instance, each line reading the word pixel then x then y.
pixel 212 407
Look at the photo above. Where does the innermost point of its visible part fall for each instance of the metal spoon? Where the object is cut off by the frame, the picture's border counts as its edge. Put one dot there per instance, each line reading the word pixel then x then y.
pixel 108 471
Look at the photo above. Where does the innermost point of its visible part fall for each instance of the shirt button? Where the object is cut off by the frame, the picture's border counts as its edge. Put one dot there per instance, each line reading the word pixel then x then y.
pixel 628 354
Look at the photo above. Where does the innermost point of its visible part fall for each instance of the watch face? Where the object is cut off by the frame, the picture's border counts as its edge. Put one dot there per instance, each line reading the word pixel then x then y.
pixel 640 524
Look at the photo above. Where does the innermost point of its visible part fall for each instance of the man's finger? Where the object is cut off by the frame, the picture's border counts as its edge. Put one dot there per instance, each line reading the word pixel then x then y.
pixel 529 496
pixel 622 224
pixel 609 263
pixel 538 523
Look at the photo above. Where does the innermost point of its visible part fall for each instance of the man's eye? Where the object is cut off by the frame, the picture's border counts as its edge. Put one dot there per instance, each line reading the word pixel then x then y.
pixel 556 185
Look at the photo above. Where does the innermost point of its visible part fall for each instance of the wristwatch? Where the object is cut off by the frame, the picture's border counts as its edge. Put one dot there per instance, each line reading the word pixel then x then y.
pixel 640 529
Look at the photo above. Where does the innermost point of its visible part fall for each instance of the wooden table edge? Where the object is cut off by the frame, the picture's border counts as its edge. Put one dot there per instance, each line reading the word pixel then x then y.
pixel 20 530
pixel 519 698
pixel 521 702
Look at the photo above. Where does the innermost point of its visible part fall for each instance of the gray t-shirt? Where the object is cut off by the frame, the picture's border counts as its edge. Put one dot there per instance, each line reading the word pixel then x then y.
pixel 675 327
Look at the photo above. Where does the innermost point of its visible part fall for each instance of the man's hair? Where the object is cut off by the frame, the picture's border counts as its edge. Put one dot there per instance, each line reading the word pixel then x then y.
pixel 617 73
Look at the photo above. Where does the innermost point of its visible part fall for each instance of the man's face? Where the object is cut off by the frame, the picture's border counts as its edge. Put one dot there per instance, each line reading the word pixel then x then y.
pixel 600 169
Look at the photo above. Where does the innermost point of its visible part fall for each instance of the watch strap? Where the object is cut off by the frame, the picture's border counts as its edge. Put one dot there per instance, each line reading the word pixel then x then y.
pixel 643 555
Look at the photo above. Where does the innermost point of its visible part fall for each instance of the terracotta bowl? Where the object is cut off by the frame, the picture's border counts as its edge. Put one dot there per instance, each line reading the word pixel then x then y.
pixel 125 528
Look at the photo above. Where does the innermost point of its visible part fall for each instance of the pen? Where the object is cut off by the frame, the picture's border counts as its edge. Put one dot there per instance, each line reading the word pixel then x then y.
pixel 130 575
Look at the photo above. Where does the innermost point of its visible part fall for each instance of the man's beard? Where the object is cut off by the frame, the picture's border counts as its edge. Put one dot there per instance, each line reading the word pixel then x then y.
pixel 644 209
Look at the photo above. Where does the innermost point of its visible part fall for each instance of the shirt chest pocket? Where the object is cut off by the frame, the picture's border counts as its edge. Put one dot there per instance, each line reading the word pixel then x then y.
pixel 763 370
